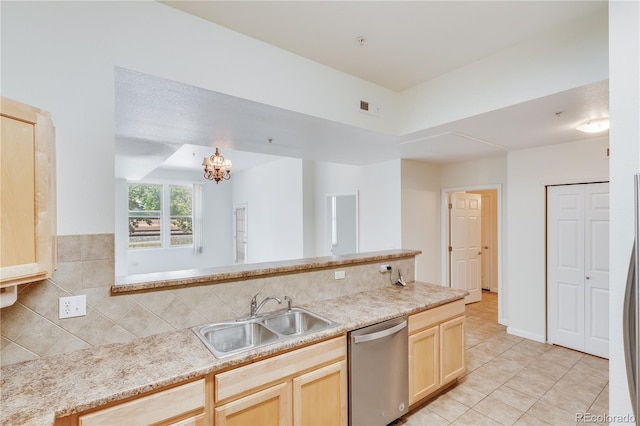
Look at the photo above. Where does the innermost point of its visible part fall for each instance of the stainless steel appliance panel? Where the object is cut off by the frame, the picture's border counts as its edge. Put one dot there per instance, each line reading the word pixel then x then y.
pixel 631 312
pixel 378 373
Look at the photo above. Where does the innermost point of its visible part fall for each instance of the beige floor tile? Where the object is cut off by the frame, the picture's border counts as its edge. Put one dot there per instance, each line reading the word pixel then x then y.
pixel 531 347
pixel 521 358
pixel 498 410
pixel 423 417
pixel 483 383
pixel 507 365
pixel 547 368
pixel 474 418
pixel 563 356
pixel 466 395
pixel 514 398
pixel 591 369
pixel 531 385
pixel 529 420
pixel 571 402
pixel 447 407
pixel 552 414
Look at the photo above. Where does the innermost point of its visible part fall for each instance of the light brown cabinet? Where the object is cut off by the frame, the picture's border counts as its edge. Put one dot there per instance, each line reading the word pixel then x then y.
pixel 436 349
pixel 271 406
pixel 27 240
pixel 305 386
pixel 182 405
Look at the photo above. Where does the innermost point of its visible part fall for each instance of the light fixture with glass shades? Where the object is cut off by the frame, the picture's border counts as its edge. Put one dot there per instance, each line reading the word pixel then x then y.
pixel 217 167
pixel 594 126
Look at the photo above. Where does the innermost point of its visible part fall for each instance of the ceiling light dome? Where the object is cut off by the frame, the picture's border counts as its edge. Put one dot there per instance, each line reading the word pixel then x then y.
pixel 594 126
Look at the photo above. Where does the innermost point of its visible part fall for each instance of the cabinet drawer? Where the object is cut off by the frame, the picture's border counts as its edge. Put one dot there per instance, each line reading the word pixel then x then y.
pixel 151 409
pixel 437 315
pixel 278 368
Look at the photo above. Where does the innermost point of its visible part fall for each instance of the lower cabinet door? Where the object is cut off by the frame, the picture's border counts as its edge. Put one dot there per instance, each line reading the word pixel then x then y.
pixel 320 396
pixel 424 372
pixel 451 349
pixel 182 402
pixel 271 406
pixel 199 420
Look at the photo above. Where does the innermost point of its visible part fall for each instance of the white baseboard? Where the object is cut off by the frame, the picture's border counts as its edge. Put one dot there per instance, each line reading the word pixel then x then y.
pixel 527 335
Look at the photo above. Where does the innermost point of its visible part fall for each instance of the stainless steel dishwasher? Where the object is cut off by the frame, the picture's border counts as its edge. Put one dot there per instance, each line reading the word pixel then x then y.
pixel 378 373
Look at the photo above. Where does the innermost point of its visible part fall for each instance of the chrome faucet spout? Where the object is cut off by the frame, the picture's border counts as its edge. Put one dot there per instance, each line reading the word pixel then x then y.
pixel 255 306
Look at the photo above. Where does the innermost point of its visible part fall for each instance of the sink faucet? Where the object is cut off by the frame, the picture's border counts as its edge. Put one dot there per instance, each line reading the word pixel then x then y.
pixel 289 301
pixel 255 306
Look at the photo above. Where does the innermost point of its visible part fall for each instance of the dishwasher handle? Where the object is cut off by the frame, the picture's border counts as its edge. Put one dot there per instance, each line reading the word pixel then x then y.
pixel 379 334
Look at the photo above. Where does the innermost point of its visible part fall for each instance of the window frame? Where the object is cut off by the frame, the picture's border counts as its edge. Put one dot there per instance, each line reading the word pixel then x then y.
pixel 165 216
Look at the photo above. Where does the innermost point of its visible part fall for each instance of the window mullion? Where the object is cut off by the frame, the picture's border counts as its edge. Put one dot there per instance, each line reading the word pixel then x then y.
pixel 165 229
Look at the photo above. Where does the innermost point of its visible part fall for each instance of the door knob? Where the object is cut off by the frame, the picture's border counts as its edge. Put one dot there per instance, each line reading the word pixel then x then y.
pixel 588 278
pixel 486 247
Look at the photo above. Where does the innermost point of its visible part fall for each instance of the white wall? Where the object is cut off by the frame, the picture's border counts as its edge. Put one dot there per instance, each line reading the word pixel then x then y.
pixel 561 59
pixel 60 57
pixel 421 217
pixel 273 195
pixel 378 188
pixel 380 206
pixel 528 172
pixel 309 204
pixel 624 107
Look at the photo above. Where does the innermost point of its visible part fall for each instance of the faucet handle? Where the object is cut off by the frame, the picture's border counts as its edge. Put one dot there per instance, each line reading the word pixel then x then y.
pixel 289 301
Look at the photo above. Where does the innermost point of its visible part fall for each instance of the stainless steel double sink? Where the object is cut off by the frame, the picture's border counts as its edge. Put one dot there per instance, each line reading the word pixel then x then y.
pixel 232 337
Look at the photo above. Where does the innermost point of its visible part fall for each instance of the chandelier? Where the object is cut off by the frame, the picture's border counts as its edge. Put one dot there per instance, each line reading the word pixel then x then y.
pixel 216 167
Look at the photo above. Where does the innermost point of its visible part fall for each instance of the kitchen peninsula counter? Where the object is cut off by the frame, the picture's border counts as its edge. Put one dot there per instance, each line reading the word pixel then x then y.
pixel 36 392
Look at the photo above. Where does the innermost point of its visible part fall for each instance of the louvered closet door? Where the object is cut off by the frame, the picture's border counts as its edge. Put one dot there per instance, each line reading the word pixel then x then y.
pixel 578 267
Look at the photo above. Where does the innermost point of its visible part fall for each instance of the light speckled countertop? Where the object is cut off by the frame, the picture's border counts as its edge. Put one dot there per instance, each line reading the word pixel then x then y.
pixel 159 280
pixel 35 392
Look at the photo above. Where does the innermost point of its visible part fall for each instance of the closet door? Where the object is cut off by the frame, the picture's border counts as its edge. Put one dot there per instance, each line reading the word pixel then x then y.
pixel 596 288
pixel 577 267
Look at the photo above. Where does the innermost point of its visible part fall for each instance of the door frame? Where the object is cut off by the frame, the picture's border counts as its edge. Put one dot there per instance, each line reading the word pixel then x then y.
pixel 327 226
pixel 444 240
pixel 244 206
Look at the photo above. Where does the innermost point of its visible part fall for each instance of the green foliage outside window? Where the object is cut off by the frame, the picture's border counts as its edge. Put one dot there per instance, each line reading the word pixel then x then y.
pixel 181 203
pixel 146 223
pixel 144 201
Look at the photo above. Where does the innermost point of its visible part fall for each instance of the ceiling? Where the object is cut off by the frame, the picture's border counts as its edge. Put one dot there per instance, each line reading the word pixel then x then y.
pixel 450 34
pixel 406 42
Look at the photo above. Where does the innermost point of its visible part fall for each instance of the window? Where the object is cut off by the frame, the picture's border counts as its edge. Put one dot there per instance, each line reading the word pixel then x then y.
pixel 240 237
pixel 160 216
pixel 181 215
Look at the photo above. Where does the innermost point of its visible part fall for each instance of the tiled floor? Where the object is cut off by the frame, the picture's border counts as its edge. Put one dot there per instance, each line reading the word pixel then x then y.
pixel 511 380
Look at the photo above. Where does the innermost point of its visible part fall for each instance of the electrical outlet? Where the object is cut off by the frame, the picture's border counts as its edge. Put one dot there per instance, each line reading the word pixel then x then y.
pixel 385 268
pixel 339 275
pixel 72 306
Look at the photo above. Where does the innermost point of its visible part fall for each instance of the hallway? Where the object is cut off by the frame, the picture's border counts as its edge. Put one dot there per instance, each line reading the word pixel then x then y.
pixel 511 380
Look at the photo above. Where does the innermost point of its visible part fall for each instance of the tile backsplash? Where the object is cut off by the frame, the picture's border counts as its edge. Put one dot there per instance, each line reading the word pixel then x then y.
pixel 31 329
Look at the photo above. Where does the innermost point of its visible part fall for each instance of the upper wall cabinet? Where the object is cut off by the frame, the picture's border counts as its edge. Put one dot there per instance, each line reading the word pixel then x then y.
pixel 27 188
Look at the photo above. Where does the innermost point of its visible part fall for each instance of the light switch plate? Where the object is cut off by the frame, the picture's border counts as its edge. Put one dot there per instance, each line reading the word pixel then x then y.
pixel 339 275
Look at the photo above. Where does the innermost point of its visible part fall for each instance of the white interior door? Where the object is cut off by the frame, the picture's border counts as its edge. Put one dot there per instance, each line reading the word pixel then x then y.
pixel 597 270
pixel 577 267
pixel 465 244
